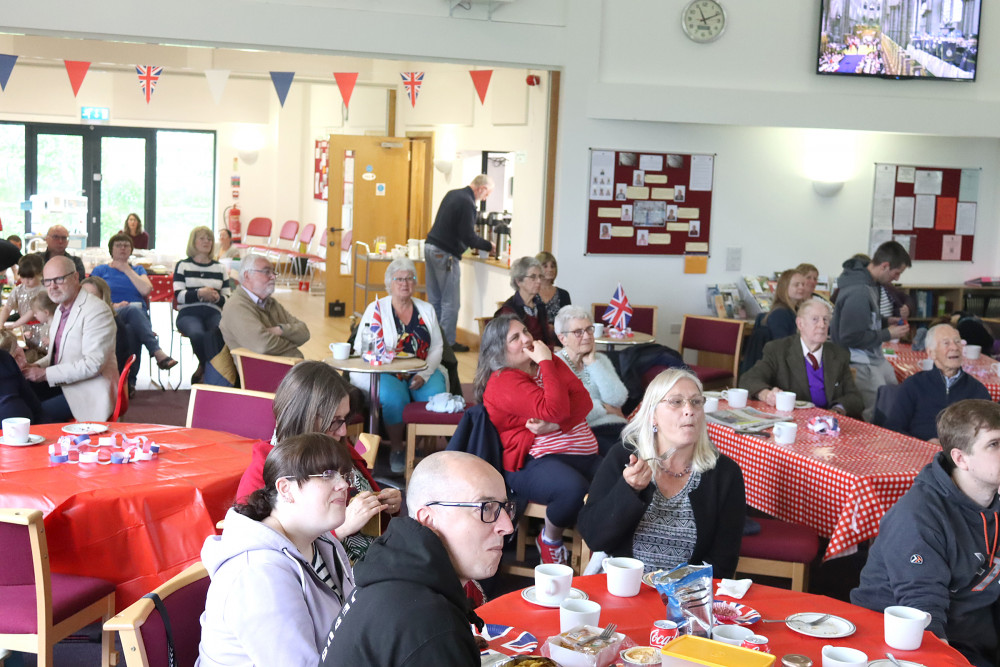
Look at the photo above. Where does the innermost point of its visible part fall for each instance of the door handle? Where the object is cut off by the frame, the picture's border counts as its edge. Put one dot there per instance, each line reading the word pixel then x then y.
pixel 336 229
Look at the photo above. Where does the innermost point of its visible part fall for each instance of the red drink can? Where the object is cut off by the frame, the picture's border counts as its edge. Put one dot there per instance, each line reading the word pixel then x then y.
pixel 663 632
pixel 756 643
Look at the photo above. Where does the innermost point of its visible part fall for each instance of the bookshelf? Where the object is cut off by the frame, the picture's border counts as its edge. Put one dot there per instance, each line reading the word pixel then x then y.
pixel 935 300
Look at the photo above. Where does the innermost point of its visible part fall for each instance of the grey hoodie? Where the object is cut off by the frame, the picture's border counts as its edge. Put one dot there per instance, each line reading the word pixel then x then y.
pixel 857 324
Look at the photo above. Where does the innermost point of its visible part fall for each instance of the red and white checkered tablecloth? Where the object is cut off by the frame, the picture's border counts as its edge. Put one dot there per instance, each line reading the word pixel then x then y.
pixel 906 362
pixel 163 288
pixel 840 486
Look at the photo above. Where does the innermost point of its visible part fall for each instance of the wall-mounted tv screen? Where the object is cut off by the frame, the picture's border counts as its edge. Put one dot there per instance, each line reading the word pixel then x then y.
pixel 899 39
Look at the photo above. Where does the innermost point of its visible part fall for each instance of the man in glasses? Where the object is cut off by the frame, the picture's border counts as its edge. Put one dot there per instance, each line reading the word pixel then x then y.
pixel 409 606
pixel 56 240
pixel 254 319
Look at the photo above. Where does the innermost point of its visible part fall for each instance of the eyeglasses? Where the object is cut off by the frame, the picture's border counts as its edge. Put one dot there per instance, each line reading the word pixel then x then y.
pixel 334 476
pixel 405 279
pixel 58 237
pixel 266 272
pixel 58 280
pixel 579 332
pixel 533 276
pixel 676 402
pixel 337 423
pixel 489 510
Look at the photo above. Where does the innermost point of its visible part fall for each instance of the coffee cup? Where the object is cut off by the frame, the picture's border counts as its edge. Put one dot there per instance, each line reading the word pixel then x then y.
pixel 16 430
pixel 784 401
pixel 995 368
pixel 711 404
pixel 731 634
pixel 904 627
pixel 340 350
pixel 574 613
pixel 926 364
pixel 598 330
pixel 624 576
pixel 737 398
pixel 972 351
pixel 842 656
pixel 552 582
pixel 784 432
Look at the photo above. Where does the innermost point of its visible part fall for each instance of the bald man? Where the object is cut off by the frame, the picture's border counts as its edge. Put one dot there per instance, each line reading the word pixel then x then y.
pixel 56 242
pixel 409 607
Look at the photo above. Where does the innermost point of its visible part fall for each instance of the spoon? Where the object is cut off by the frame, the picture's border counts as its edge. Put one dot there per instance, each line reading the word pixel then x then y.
pixel 892 659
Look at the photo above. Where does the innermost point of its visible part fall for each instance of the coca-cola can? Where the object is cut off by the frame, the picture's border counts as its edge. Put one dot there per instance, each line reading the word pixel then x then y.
pixel 663 632
pixel 756 643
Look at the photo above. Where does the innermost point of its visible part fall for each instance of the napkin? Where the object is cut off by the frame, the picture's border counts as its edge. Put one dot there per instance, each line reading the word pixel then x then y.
pixel 733 588
pixel 824 425
pixel 445 402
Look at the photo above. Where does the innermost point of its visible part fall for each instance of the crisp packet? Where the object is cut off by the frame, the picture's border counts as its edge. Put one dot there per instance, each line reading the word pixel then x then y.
pixel 687 593
pixel 824 425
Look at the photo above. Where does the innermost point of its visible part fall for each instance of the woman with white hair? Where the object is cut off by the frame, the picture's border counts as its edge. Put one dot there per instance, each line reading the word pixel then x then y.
pixel 665 495
pixel 526 279
pixel 409 326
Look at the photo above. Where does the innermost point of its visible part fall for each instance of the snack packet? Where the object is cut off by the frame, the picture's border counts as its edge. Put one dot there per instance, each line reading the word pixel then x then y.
pixel 687 593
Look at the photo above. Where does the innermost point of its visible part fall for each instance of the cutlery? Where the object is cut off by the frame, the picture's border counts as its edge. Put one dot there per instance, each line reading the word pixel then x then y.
pixel 813 622
pixel 606 634
pixel 892 659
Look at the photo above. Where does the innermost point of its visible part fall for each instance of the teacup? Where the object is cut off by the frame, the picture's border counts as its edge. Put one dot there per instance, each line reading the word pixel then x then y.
pixel 926 364
pixel 784 401
pixel 16 430
pixel 598 330
pixel 624 576
pixel 995 368
pixel 552 582
pixel 574 613
pixel 972 351
pixel 711 404
pixel 904 627
pixel 731 634
pixel 842 656
pixel 340 350
pixel 737 398
pixel 784 432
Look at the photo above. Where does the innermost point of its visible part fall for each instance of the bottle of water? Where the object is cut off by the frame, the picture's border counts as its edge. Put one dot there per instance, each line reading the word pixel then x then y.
pixel 367 343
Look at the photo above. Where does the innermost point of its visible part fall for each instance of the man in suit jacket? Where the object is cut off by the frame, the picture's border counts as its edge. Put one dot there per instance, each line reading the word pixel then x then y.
pixel 81 358
pixel 805 363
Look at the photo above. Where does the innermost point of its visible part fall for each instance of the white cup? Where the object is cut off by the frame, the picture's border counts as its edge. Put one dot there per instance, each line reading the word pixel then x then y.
pixel 784 401
pixel 340 350
pixel 552 582
pixel 624 576
pixel 926 364
pixel 737 398
pixel 995 368
pixel 598 330
pixel 574 613
pixel 711 404
pixel 731 634
pixel 841 656
pixel 972 351
pixel 413 249
pixel 904 627
pixel 784 432
pixel 16 430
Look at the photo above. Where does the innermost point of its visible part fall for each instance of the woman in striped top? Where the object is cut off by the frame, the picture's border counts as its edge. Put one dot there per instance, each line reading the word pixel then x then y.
pixel 539 408
pixel 200 290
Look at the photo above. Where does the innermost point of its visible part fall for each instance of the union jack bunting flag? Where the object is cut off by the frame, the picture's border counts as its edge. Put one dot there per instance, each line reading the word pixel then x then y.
pixel 619 311
pixel 148 76
pixel 376 329
pixel 412 82
pixel 507 640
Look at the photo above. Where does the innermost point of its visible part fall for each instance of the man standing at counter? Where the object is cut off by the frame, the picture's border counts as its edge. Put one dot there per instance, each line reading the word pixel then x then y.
pixel 453 232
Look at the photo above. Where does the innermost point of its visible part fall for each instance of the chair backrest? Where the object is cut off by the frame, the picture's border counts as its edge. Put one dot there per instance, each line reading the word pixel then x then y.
pixel 26 563
pixel 643 317
pixel 121 405
pixel 885 398
pixel 289 230
pixel 306 236
pixel 259 227
pixel 261 372
pixel 239 411
pixel 372 442
pixel 711 334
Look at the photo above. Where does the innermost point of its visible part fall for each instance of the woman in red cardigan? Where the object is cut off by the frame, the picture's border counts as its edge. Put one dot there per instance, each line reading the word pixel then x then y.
pixel 540 408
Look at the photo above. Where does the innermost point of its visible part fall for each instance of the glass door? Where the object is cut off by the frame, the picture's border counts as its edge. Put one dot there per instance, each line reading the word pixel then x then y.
pixel 58 161
pixel 122 185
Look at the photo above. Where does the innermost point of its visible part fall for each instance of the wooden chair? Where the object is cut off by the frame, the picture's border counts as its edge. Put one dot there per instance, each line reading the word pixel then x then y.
pixel 422 422
pixel 718 342
pixel 372 442
pixel 574 545
pixel 141 627
pixel 643 317
pixel 239 411
pixel 40 608
pixel 261 372
pixel 780 549
pixel 121 405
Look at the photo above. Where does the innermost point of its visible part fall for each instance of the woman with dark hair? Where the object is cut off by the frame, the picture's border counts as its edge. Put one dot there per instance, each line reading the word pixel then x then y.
pixel 278 580
pixel 553 297
pixel 789 293
pixel 133 227
pixel 539 407
pixel 526 279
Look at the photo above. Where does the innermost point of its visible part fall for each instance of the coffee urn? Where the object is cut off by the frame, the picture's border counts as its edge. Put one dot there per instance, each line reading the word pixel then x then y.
pixel 499 226
pixel 482 227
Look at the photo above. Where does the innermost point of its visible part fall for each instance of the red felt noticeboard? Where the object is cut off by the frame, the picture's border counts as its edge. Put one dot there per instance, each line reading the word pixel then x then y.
pixel 643 203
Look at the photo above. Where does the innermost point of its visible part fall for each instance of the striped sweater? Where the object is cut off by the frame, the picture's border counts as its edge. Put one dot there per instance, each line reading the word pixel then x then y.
pixel 190 276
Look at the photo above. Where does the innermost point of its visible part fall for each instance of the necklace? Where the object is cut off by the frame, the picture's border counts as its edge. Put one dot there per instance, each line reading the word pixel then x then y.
pixel 676 475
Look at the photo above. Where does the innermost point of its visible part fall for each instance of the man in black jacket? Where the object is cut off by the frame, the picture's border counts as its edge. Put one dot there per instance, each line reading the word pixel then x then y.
pixel 409 607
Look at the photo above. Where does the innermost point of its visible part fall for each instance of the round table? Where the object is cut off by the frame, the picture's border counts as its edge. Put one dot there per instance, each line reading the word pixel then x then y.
pixel 359 365
pixel 637 338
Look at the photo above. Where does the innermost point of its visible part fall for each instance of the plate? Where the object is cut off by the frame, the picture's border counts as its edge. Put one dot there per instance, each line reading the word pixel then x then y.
pixel 740 614
pixel 84 428
pixel 712 394
pixel 832 628
pixel 33 439
pixel 529 595
pixel 506 640
pixel 404 355
pixel 885 662
pixel 650 577
pixel 801 405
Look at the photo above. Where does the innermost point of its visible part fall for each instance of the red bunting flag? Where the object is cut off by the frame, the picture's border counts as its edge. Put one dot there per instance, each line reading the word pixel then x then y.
pixel 345 82
pixel 77 70
pixel 149 75
pixel 412 82
pixel 481 80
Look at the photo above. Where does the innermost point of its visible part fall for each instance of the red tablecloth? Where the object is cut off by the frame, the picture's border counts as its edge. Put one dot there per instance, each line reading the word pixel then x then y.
pixel 838 485
pixel 635 617
pixel 163 288
pixel 137 524
pixel 906 362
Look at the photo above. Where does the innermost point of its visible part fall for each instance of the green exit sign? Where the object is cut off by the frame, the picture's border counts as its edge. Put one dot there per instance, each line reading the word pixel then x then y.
pixel 91 114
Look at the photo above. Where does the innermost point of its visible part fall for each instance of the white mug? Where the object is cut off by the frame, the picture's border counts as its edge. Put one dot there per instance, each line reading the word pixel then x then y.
pixel 731 634
pixel 995 368
pixel 904 627
pixel 972 351
pixel 340 350
pixel 711 404
pixel 926 364
pixel 574 613
pixel 624 576
pixel 598 330
pixel 737 398
pixel 552 582
pixel 784 432
pixel 785 401
pixel 16 430
pixel 841 656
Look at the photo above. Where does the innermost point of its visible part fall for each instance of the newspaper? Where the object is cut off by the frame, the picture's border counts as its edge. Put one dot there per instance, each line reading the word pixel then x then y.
pixel 744 420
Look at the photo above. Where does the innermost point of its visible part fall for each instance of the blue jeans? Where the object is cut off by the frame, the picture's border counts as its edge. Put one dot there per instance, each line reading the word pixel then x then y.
pixel 198 323
pixel 394 394
pixel 134 325
pixel 559 481
pixel 444 279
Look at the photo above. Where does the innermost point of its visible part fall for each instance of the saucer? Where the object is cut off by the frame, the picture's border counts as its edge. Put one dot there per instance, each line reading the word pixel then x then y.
pixel 84 428
pixel 574 594
pixel 33 439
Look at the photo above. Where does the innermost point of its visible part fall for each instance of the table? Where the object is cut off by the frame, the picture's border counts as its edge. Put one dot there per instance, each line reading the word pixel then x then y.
pixel 905 362
pixel 637 338
pixel 138 524
pixel 359 365
pixel 840 486
pixel 635 617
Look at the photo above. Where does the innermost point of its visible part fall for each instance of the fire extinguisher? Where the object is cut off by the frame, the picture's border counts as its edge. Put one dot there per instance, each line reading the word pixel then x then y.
pixel 232 218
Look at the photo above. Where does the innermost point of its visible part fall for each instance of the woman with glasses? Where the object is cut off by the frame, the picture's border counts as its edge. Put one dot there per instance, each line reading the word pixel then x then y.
pixel 526 279
pixel 278 580
pixel 410 327
pixel 539 407
pixel 201 287
pixel 314 397
pixel 576 333
pixel 665 495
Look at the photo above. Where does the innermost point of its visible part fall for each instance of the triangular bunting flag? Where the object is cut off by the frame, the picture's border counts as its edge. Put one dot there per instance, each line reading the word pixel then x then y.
pixel 217 79
pixel 346 81
pixel 77 70
pixel 149 75
pixel 412 82
pixel 6 67
pixel 481 80
pixel 282 82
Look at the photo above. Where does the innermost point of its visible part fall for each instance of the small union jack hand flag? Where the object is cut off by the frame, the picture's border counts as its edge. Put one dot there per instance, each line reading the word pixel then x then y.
pixel 619 311
pixel 376 329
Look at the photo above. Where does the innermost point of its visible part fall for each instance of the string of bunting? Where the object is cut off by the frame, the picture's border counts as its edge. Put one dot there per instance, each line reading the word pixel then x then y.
pixel 119 448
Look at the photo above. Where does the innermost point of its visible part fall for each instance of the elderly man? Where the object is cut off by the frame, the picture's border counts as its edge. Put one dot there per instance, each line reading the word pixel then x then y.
pixel 409 607
pixel 56 240
pixel 253 319
pixel 81 358
pixel 923 395
pixel 805 363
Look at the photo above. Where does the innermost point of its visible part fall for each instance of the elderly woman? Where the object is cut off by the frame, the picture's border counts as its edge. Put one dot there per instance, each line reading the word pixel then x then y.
pixel 553 297
pixel 539 408
pixel 278 581
pixel 665 495
pixel 201 288
pixel 791 290
pixel 314 397
pixel 409 326
pixel 576 333
pixel 526 279
pixel 133 227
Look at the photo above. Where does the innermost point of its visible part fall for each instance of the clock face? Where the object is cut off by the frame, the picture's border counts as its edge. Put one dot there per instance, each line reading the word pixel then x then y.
pixel 704 20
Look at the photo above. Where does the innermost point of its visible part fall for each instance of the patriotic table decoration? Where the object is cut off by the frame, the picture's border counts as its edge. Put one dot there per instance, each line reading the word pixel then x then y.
pixel 619 311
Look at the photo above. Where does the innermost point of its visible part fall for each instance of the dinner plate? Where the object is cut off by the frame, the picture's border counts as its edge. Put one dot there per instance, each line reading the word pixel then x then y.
pixel 885 662
pixel 33 439
pixel 650 578
pixel 506 640
pixel 529 595
pixel 84 428
pixel 832 628
pixel 801 405
pixel 734 613
pixel 404 355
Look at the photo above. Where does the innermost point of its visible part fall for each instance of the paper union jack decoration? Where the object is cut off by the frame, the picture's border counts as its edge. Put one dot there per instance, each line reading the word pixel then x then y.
pixel 619 311
pixel 376 329
pixel 148 76
pixel 412 82
pixel 505 639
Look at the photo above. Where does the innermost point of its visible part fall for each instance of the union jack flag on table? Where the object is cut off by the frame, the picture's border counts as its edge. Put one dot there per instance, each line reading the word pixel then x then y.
pixel 506 639
pixel 619 311
pixel 412 82
pixel 148 76
pixel 377 332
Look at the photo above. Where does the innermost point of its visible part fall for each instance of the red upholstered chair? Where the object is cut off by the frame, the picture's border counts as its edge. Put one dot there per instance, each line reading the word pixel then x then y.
pixel 39 608
pixel 261 372
pixel 258 233
pixel 239 411
pixel 422 422
pixel 717 341
pixel 121 405
pixel 643 317
pixel 780 549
